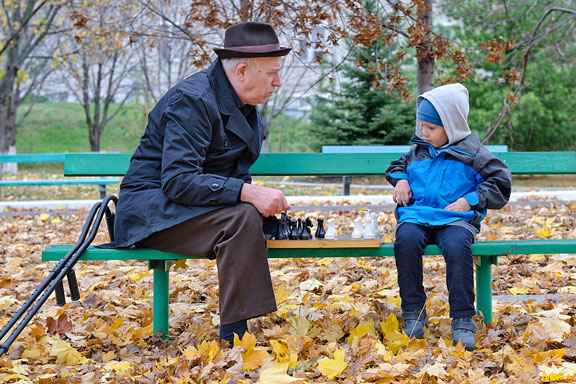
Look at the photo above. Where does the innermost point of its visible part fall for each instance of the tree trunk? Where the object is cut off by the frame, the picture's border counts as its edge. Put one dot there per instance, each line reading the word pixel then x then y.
pixel 6 105
pixel 95 134
pixel 425 74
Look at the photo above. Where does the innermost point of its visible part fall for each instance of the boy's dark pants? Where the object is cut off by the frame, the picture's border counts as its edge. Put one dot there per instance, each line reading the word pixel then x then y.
pixel 455 241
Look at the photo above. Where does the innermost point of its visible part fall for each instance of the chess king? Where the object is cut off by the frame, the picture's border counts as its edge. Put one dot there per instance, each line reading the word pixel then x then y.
pixel 188 188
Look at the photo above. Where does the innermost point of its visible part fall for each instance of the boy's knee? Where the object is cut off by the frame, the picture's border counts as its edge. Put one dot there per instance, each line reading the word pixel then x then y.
pixel 409 238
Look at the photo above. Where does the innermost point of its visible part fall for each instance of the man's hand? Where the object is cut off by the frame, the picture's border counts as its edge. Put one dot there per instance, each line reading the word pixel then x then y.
pixel 460 205
pixel 402 193
pixel 267 201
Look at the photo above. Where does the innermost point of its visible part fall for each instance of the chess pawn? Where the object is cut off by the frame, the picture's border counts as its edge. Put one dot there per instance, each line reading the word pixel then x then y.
pixel 357 233
pixel 320 232
pixel 375 221
pixel 306 234
pixel 331 233
pixel 293 230
pixel 368 233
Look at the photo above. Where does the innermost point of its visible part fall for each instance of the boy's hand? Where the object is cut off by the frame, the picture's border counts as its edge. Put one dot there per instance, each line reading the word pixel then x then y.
pixel 460 205
pixel 402 193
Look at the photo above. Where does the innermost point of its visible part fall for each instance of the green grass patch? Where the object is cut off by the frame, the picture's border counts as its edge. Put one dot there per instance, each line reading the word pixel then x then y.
pixel 62 127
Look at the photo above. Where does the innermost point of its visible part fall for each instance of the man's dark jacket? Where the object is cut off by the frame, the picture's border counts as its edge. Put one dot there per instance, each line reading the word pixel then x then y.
pixel 193 158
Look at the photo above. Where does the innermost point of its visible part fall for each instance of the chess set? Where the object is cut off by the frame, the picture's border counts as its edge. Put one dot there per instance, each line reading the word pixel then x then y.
pixel 297 233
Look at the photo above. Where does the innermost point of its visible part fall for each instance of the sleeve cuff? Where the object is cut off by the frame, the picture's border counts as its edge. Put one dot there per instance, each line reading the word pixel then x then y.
pixel 399 176
pixel 472 198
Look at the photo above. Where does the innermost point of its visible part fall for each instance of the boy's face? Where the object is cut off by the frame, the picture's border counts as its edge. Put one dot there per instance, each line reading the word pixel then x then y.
pixel 434 134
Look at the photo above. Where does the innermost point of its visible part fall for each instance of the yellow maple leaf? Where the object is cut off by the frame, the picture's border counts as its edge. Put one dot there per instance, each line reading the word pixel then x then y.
pixel 44 216
pixel 332 367
pixel 390 325
pixel 554 356
pixel 279 349
pixel 564 372
pixel 362 329
pixel 190 353
pixel 209 350
pixel 110 355
pixel 118 366
pixel 276 374
pixel 65 353
pixel 15 378
pixel 398 369
pixel 544 231
pixel 281 294
pixel 382 351
pixel 252 358
pixel 556 328
pixel 519 291
pixel 433 370
pixel 300 324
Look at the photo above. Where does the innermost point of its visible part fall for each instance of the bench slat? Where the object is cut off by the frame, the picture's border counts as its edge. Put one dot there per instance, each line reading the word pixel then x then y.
pixel 480 248
pixel 21 183
pixel 285 164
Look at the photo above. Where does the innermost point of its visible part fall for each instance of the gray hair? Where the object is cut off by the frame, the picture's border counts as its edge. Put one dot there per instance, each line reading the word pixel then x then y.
pixel 231 63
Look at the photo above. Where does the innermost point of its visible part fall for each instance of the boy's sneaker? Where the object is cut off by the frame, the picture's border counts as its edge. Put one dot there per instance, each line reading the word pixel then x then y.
pixel 414 323
pixel 463 330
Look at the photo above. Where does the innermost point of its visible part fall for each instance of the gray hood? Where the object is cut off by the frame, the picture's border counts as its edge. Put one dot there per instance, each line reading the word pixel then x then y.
pixel 451 103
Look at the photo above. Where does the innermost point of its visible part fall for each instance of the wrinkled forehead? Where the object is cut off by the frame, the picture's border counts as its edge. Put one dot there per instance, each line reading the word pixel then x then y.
pixel 269 64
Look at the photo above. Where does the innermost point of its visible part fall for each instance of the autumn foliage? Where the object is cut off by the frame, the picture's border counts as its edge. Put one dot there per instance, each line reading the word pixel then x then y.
pixel 337 319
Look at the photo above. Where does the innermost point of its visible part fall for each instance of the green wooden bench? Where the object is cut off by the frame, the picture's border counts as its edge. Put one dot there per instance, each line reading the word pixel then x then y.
pixel 485 252
pixel 101 182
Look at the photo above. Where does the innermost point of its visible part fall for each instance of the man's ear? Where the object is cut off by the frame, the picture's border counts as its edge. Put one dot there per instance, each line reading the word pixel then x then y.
pixel 241 71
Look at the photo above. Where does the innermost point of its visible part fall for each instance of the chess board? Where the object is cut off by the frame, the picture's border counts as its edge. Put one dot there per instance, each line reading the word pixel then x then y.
pixel 343 241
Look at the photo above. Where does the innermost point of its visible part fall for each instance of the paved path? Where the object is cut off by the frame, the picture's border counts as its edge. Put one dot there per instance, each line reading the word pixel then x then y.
pixel 308 203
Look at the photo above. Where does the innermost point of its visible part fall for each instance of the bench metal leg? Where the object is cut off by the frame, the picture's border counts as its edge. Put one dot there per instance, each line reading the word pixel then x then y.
pixel 346 181
pixel 102 190
pixel 161 296
pixel 484 286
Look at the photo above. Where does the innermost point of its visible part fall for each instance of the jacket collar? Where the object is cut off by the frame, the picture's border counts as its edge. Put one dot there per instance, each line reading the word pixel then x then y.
pixel 467 146
pixel 228 100
pixel 229 103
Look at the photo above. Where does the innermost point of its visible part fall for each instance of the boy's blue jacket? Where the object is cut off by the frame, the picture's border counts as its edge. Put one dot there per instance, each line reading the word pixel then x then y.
pixel 439 177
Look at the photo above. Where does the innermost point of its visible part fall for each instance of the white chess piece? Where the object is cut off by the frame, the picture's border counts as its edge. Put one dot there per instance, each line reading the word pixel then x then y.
pixel 368 233
pixel 376 227
pixel 357 233
pixel 331 233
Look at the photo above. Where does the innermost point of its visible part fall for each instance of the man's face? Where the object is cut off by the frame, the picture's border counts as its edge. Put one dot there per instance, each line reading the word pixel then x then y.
pixel 259 81
pixel 434 134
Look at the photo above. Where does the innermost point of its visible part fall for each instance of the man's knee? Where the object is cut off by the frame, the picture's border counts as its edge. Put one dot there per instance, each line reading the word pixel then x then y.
pixel 246 216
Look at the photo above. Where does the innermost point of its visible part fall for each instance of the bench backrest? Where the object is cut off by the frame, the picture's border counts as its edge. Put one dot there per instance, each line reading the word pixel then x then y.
pixel 39 157
pixel 527 163
pixel 387 148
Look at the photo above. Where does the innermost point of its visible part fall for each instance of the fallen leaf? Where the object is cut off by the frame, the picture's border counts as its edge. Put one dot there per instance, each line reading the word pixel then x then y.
pixel 332 367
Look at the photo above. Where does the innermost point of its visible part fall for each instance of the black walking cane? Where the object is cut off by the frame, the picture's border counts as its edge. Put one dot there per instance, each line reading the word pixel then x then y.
pixel 64 268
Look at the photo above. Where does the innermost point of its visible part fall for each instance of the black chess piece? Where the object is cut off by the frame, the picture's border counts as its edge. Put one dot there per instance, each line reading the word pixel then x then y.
pixel 306 234
pixel 283 228
pixel 320 232
pixel 293 230
pixel 300 228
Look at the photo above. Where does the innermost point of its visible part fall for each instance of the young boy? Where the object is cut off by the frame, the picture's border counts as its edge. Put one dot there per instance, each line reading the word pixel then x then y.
pixel 443 186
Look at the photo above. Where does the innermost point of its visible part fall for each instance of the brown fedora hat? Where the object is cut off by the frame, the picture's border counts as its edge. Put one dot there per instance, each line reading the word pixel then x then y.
pixel 251 39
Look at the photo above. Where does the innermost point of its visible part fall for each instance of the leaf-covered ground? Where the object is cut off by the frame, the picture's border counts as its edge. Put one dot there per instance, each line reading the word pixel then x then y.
pixel 336 322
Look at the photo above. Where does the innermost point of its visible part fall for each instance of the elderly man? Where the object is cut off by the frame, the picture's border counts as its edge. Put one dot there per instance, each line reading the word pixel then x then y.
pixel 188 189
